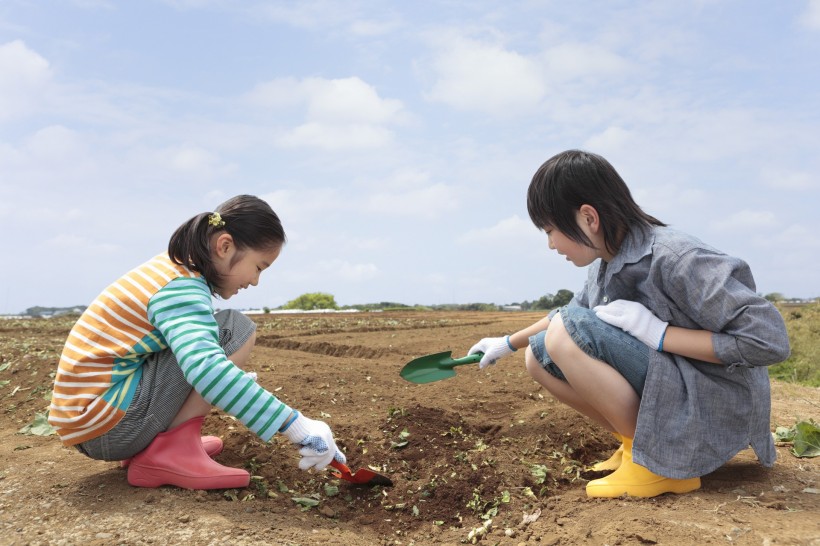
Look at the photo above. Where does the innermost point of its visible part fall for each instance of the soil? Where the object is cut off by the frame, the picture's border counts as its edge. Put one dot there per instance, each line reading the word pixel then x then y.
pixel 483 446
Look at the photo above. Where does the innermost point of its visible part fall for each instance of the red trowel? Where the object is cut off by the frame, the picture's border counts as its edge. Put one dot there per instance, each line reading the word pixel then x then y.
pixel 363 476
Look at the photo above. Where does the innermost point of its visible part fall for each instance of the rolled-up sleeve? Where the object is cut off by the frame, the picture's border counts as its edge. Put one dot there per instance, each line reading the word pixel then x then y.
pixel 718 293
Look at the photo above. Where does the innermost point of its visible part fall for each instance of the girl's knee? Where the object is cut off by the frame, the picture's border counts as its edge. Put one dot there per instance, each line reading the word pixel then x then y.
pixel 557 340
pixel 250 343
pixel 531 362
pixel 241 355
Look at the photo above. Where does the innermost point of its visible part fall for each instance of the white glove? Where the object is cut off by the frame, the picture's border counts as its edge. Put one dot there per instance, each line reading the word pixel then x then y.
pixel 316 439
pixel 493 349
pixel 635 319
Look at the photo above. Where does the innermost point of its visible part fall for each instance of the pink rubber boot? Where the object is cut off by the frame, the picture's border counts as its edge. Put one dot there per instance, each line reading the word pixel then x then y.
pixel 177 457
pixel 213 447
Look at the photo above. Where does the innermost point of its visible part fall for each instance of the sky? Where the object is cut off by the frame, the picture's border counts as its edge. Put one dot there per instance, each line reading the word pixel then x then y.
pixel 396 140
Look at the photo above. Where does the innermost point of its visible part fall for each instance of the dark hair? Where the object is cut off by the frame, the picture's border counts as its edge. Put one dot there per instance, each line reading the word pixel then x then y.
pixel 249 220
pixel 574 178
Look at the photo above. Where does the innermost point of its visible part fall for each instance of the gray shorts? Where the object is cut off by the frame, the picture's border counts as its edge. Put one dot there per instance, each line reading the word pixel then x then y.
pixel 600 340
pixel 160 395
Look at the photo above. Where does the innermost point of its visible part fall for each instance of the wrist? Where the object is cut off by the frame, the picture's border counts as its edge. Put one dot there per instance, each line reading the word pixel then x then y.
pixel 660 343
pixel 289 421
pixel 510 345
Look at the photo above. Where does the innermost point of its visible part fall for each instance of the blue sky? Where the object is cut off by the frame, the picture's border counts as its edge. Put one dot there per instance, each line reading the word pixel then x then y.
pixel 397 139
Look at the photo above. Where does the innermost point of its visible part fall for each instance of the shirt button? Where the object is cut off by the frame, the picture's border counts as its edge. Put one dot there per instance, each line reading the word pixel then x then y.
pixel 606 299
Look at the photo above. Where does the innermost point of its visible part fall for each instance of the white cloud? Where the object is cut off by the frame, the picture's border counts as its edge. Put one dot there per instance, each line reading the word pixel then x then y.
pixel 790 180
pixel 339 114
pixel 372 27
pixel 786 248
pixel 45 156
pixel 277 94
pixel 506 232
pixel 428 201
pixel 572 61
pixel 336 101
pixel 746 220
pixel 404 178
pixel 55 142
pixel 196 161
pixel 93 4
pixel 368 244
pixel 349 271
pixel 328 273
pixel 348 100
pixel 336 137
pixel 472 75
pixel 75 244
pixel 611 139
pixel 307 203
pixel 811 16
pixel 308 14
pixel 24 79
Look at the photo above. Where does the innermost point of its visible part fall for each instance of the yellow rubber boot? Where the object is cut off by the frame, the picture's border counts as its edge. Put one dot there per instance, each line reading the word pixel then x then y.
pixel 614 460
pixel 636 481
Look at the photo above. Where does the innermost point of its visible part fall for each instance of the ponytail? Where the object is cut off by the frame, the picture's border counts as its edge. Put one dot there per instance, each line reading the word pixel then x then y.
pixel 250 221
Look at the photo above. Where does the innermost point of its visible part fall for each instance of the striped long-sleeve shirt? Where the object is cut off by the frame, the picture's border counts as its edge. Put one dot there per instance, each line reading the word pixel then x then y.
pixel 156 306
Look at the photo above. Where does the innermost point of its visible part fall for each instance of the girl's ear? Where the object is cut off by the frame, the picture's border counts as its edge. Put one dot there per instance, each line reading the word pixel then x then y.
pixel 589 217
pixel 223 245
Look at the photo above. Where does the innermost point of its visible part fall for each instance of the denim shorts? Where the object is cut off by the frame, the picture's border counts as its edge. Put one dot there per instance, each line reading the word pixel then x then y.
pixel 600 340
pixel 160 395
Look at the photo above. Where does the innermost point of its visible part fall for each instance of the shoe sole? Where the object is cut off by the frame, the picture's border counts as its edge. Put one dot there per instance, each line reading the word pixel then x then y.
pixel 142 476
pixel 678 487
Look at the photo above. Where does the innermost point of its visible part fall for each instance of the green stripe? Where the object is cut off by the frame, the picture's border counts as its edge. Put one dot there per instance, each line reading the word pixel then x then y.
pixel 273 419
pixel 227 389
pixel 261 412
pixel 196 336
pixel 205 370
pixel 249 405
pixel 239 396
pixel 215 382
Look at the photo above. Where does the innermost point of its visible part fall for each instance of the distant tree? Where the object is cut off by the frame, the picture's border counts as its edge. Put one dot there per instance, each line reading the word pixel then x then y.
pixel 479 307
pixel 775 297
pixel 550 301
pixel 542 303
pixel 39 311
pixel 266 310
pixel 563 297
pixel 312 301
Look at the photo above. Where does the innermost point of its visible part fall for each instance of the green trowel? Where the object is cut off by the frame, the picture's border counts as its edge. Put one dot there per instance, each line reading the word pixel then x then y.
pixel 435 367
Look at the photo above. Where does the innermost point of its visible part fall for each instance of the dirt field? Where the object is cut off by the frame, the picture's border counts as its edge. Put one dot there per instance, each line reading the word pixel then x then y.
pixel 484 445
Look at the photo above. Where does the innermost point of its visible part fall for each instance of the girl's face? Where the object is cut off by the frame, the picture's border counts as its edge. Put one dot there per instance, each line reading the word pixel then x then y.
pixel 242 269
pixel 579 254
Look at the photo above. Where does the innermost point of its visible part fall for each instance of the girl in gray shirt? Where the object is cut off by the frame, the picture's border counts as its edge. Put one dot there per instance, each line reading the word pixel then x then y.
pixel 666 345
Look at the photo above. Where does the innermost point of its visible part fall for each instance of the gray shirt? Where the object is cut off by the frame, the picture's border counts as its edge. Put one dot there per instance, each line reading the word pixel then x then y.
pixel 695 416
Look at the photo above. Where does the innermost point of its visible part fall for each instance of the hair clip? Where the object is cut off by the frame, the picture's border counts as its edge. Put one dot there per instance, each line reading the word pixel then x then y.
pixel 216 220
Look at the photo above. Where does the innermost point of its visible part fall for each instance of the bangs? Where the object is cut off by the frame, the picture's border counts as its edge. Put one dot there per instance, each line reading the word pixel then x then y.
pixel 554 197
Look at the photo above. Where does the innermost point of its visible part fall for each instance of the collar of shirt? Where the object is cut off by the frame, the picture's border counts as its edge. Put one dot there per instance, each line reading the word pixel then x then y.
pixel 637 244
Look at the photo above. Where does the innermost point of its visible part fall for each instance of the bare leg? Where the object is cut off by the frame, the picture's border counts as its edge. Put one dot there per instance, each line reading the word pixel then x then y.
pixel 563 391
pixel 195 405
pixel 593 387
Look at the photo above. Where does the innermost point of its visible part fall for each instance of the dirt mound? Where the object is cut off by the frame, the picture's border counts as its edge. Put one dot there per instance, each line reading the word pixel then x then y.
pixel 322 348
pixel 483 446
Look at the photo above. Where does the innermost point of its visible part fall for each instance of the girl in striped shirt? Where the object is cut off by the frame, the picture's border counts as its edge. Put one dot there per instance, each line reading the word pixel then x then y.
pixel 148 359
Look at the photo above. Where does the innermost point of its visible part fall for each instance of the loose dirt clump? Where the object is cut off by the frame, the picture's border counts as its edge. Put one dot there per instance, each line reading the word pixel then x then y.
pixel 485 446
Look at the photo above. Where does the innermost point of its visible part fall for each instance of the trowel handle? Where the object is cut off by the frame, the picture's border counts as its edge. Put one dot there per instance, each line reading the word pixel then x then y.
pixel 469 359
